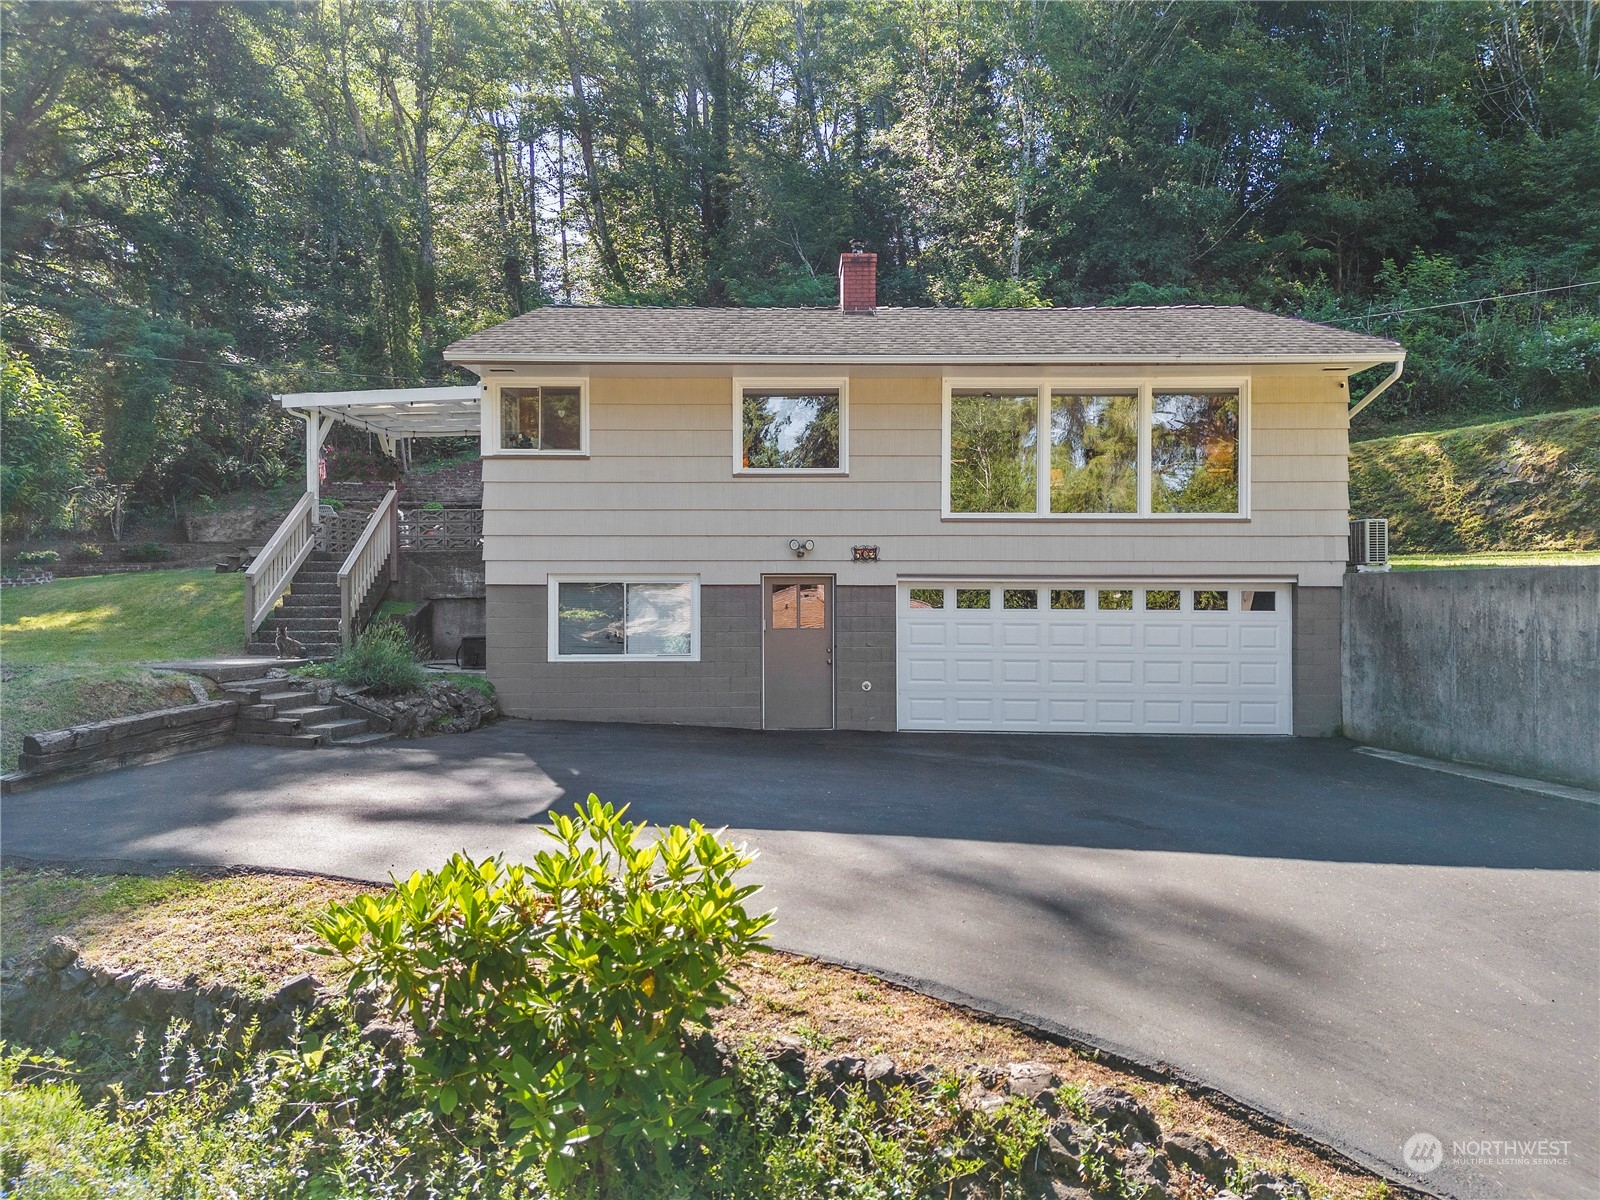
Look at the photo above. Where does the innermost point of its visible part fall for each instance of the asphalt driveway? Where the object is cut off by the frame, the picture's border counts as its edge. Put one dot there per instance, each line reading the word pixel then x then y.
pixel 1360 948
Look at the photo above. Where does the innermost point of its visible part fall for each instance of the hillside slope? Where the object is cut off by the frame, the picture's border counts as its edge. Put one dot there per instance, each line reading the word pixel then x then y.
pixel 1529 484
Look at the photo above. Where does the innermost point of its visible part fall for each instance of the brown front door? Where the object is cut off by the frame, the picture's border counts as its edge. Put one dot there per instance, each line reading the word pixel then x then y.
pixel 797 651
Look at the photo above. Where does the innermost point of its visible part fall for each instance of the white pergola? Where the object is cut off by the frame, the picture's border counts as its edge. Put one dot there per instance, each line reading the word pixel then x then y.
pixel 392 414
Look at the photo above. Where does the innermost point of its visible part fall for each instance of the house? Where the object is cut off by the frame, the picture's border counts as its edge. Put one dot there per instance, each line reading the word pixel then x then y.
pixel 1052 520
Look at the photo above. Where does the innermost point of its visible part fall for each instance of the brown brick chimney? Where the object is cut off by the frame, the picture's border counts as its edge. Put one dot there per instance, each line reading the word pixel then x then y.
pixel 858 280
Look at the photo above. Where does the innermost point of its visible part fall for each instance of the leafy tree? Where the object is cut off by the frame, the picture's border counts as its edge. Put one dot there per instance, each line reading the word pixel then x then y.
pixel 44 449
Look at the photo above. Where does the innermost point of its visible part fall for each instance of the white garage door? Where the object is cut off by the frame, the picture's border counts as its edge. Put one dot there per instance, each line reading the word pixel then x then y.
pixel 1088 658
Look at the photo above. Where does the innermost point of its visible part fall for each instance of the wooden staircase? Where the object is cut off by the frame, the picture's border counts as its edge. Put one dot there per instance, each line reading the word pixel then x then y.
pixel 309 613
pixel 286 712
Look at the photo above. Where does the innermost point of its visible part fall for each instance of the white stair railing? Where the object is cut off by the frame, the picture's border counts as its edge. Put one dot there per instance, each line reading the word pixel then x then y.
pixel 269 576
pixel 373 556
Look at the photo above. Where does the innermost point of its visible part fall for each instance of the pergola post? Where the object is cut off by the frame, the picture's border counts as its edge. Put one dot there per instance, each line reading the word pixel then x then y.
pixel 316 433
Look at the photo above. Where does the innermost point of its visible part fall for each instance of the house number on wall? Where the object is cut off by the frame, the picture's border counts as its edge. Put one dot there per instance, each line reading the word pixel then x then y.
pixel 865 553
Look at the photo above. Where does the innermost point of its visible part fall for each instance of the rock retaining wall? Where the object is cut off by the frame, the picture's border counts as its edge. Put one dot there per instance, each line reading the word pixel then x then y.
pixel 58 993
pixel 1103 1136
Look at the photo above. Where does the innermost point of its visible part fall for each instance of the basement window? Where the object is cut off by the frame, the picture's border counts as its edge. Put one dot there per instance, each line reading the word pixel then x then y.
pixel 624 619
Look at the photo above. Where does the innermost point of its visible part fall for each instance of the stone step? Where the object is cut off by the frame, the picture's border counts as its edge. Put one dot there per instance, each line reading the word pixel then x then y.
pixel 249 710
pixel 287 741
pixel 269 725
pixel 364 739
pixel 312 714
pixel 288 696
pixel 330 730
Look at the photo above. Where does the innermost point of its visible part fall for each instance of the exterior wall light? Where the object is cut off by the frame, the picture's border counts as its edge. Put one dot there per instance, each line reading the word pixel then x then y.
pixel 801 546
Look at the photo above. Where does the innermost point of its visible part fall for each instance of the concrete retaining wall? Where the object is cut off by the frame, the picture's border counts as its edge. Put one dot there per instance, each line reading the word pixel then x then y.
pixel 1497 667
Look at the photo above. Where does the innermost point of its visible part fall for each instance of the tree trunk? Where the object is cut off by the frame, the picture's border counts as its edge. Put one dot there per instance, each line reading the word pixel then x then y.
pixel 586 142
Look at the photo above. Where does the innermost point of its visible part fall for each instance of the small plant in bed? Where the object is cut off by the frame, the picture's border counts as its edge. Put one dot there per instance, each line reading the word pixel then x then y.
pixel 383 660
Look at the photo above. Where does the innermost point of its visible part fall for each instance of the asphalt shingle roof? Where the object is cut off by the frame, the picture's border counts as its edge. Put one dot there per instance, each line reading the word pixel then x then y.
pixel 1173 334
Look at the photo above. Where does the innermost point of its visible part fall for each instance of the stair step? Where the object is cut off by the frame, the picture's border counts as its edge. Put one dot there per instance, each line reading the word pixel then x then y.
pixel 364 739
pixel 287 741
pixel 294 622
pixel 311 714
pixel 273 725
pixel 330 730
pixel 287 696
pixel 314 649
pixel 248 709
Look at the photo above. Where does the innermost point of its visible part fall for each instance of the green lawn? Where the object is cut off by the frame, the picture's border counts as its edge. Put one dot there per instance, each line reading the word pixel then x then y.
pixel 1532 558
pixel 141 616
pixel 1508 488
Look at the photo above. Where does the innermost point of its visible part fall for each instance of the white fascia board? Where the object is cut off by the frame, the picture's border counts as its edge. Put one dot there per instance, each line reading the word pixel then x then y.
pixel 437 395
pixel 482 365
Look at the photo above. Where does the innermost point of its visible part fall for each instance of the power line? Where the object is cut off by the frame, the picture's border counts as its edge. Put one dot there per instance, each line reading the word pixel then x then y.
pixel 1395 312
pixel 391 380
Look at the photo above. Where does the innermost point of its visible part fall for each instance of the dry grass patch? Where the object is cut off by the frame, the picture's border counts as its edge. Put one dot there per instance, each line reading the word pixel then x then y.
pixel 244 929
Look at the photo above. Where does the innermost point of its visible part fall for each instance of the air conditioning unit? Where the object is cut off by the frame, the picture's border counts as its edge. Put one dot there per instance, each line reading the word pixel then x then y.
pixel 1369 544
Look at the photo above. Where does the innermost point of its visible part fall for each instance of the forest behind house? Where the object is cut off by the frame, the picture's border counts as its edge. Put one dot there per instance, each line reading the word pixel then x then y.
pixel 204 203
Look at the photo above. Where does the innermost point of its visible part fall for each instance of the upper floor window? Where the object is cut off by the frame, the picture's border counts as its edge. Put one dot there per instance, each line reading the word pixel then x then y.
pixel 538 418
pixel 1064 451
pixel 784 427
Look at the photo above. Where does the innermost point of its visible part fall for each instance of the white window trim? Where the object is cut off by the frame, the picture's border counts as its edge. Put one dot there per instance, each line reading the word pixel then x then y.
pixel 553 615
pixel 1146 385
pixel 491 447
pixel 762 384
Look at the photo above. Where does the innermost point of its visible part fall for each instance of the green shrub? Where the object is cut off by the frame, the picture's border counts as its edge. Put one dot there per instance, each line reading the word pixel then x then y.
pixel 382 660
pixel 553 996
pixel 146 552
pixel 88 552
pixel 35 558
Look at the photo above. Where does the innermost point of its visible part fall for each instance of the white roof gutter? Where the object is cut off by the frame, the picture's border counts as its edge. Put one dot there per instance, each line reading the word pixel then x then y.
pixel 1399 366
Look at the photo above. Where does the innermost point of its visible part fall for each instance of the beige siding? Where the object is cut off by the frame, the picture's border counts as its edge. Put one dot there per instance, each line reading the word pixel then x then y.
pixel 658 494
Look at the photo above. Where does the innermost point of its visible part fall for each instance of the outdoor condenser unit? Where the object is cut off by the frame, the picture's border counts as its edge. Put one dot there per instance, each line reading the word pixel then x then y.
pixel 1369 544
